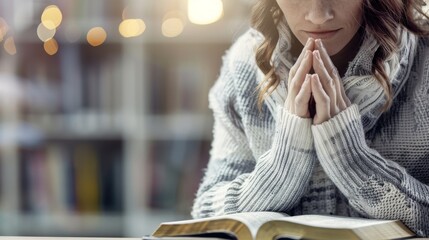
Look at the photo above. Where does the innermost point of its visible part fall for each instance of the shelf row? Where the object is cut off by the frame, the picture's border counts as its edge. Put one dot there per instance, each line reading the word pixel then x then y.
pixel 87 177
pixel 88 126
pixel 176 78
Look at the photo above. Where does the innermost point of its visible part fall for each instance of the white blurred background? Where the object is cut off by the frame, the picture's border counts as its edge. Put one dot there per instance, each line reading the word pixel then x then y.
pixel 104 119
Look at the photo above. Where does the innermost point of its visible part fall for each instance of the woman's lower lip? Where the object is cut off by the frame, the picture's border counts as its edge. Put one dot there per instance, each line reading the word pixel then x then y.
pixel 322 35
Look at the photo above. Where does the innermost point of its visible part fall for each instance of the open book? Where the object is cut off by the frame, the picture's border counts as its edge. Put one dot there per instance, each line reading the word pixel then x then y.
pixel 272 225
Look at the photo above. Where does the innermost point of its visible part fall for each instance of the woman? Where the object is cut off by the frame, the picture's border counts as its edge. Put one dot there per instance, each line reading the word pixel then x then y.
pixel 341 125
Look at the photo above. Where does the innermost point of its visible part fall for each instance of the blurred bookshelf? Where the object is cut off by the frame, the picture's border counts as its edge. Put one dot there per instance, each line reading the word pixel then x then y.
pixel 108 140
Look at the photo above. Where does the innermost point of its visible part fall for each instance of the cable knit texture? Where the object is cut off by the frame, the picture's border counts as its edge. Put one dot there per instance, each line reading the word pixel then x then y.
pixel 360 163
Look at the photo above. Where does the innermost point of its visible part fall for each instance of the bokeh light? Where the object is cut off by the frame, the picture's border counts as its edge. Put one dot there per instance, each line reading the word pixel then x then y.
pixel 132 27
pixel 172 27
pixel 96 36
pixel 51 46
pixel 204 12
pixel 51 17
pixel 9 46
pixel 44 33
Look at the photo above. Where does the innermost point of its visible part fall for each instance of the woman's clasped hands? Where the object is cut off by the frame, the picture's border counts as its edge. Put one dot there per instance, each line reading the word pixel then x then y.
pixel 322 90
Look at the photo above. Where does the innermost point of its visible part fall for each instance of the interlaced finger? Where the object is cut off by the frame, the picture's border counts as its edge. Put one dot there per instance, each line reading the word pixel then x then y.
pixel 309 46
pixel 298 79
pixel 322 101
pixel 326 81
pixel 303 98
pixel 329 65
pixel 341 99
pixel 341 103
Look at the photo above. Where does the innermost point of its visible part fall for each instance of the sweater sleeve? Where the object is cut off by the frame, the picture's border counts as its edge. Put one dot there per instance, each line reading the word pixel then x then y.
pixel 234 180
pixel 375 186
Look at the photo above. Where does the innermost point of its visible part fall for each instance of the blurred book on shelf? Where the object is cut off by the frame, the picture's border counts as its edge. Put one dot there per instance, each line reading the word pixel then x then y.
pixel 72 178
pixel 176 171
pixel 181 80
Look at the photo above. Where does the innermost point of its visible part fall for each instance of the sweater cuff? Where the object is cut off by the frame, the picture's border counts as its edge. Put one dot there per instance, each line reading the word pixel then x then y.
pixel 347 123
pixel 293 131
pixel 338 143
pixel 344 154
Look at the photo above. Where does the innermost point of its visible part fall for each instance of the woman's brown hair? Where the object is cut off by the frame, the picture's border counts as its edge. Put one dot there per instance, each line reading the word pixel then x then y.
pixel 381 18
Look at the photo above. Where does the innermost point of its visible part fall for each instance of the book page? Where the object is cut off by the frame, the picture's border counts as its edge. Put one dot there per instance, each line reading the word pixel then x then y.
pixel 334 221
pixel 178 238
pixel 329 227
pixel 253 220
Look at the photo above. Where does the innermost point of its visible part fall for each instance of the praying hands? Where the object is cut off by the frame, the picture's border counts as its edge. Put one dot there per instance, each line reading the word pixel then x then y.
pixel 322 90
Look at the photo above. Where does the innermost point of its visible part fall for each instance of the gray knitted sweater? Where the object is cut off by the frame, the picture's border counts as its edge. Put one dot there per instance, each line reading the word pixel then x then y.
pixel 359 163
